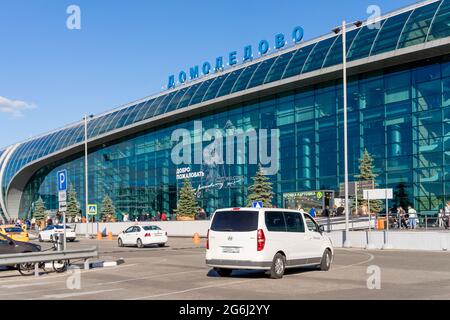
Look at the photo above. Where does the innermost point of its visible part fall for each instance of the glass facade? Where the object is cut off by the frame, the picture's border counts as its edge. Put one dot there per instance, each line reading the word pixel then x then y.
pixel 401 115
pixel 421 24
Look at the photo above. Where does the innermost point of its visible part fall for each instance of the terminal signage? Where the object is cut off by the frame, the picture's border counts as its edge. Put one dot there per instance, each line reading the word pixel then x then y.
pixel 232 58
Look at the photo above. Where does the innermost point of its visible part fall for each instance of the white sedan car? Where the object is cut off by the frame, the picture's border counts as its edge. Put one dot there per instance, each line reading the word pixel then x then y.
pixel 50 232
pixel 142 236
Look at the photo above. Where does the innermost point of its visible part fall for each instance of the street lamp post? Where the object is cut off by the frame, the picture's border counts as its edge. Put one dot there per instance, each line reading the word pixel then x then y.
pixel 343 31
pixel 86 186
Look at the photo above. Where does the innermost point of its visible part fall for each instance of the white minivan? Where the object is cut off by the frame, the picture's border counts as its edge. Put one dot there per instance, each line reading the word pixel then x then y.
pixel 266 239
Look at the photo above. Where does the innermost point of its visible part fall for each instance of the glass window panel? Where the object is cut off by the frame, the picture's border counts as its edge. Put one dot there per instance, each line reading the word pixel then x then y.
pixel 260 74
pixel 214 87
pixel 143 110
pixel 416 29
pixel 387 39
pixel 184 102
pixel 242 81
pixel 163 105
pixel 441 25
pixel 133 113
pixel 229 82
pixel 295 66
pixel 316 58
pixel 335 55
pixel 277 70
pixel 426 73
pixel 362 44
pixel 175 100
pixel 117 120
pixel 198 96
pixel 150 110
pixel 125 114
pixel 372 93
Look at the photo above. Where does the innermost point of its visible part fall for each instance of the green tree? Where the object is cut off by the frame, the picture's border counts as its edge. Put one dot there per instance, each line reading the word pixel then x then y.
pixel 108 211
pixel 187 205
pixel 366 173
pixel 39 210
pixel 261 190
pixel 72 203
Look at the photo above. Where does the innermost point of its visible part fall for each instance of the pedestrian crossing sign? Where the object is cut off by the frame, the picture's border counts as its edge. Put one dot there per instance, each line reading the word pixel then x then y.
pixel 257 205
pixel 92 209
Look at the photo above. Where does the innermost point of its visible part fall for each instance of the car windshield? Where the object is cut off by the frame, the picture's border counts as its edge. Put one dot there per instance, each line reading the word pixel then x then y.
pixel 235 221
pixel 13 230
pixel 151 228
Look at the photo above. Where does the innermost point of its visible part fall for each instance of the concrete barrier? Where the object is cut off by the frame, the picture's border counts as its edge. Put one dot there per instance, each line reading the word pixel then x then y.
pixel 173 228
pixel 400 240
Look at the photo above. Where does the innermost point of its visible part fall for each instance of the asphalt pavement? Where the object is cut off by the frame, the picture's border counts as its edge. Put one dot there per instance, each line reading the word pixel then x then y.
pixel 178 271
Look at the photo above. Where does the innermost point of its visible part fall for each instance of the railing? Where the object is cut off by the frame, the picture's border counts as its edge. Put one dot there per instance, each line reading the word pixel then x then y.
pixel 49 256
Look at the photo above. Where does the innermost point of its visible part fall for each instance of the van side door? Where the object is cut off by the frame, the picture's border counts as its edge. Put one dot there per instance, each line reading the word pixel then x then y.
pixel 298 243
pixel 315 240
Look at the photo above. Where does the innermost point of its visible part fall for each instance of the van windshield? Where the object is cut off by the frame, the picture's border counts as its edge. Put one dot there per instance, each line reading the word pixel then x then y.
pixel 235 221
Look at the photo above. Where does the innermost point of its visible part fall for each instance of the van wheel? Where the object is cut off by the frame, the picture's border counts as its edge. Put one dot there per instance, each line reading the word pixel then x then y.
pixel 325 264
pixel 278 266
pixel 223 272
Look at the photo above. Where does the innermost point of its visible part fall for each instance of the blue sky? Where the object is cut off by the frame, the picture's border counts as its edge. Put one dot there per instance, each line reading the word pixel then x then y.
pixel 125 50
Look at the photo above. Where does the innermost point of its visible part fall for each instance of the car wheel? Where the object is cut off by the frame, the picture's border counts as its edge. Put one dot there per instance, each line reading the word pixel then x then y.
pixel 325 264
pixel 51 239
pixel 40 238
pixel 161 245
pixel 278 266
pixel 223 272
pixel 139 243
pixel 120 243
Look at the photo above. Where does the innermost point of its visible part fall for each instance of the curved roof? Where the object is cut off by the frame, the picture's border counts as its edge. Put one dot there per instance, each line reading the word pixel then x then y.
pixel 414 25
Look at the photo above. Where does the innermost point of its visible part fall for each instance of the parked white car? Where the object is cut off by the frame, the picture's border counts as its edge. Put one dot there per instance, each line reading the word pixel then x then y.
pixel 142 236
pixel 266 239
pixel 50 232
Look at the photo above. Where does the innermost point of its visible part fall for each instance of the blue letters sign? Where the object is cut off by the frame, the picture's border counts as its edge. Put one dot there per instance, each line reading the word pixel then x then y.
pixel 62 180
pixel 232 58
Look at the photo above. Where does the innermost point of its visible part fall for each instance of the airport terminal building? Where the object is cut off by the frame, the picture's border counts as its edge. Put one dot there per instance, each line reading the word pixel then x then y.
pixel 398 109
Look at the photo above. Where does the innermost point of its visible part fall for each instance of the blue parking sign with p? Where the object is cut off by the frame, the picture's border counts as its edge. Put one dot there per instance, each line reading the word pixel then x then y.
pixel 62 180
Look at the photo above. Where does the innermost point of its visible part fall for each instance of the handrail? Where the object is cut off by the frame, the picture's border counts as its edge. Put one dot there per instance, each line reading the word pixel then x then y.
pixel 49 256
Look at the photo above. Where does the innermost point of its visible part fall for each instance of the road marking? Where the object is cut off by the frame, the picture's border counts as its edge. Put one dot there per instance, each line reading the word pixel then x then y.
pixel 76 294
pixel 114 282
pixel 44 277
pixel 13 286
pixel 194 289
pixel 371 257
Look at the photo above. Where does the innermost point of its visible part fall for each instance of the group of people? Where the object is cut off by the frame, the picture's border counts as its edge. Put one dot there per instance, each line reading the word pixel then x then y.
pixel 405 219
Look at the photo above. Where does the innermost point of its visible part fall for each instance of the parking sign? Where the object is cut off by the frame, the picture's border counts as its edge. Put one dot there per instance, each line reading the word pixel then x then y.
pixel 62 180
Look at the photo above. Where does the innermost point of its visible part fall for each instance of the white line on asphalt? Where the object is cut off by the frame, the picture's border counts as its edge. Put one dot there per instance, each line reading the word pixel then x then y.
pixel 116 282
pixel 13 286
pixel 193 289
pixel 371 257
pixel 75 294
pixel 44 277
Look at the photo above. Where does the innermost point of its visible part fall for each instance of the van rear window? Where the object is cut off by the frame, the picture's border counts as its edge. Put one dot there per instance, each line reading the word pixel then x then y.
pixel 235 221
